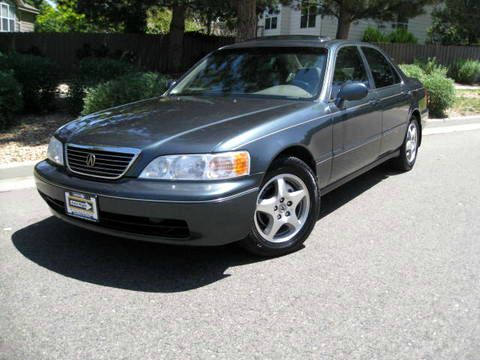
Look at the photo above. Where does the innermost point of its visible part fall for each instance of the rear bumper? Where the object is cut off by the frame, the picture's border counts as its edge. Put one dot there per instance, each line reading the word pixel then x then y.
pixel 183 213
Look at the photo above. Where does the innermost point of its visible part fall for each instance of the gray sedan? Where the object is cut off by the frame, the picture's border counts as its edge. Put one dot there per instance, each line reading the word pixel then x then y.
pixel 241 148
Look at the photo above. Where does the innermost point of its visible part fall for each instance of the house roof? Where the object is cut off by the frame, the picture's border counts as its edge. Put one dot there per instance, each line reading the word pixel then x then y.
pixel 22 5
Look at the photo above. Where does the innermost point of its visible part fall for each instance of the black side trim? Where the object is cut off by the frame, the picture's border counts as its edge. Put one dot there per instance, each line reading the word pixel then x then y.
pixel 357 173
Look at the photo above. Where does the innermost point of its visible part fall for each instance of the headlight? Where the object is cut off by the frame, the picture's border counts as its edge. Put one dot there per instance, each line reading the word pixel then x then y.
pixel 198 166
pixel 55 151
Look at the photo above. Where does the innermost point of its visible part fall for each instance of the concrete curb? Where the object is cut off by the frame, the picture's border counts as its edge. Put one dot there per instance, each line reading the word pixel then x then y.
pixel 463 120
pixel 17 170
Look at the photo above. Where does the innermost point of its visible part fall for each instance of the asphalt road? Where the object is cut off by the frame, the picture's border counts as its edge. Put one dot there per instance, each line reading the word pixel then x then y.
pixel 392 271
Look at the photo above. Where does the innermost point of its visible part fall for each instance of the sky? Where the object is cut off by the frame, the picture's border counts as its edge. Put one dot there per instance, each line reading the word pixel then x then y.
pixel 51 3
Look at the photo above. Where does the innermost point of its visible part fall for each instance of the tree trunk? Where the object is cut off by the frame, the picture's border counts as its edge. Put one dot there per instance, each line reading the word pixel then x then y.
pixel 209 24
pixel 343 28
pixel 175 39
pixel 246 19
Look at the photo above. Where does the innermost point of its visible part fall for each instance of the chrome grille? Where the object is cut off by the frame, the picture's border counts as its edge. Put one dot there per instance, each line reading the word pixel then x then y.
pixel 100 162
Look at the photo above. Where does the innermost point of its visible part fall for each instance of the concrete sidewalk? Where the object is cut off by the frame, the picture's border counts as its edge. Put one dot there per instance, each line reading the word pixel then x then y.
pixel 467 87
pixel 17 170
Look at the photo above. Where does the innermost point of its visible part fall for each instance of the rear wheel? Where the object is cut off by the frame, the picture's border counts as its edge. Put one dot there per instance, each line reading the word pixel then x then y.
pixel 286 211
pixel 409 149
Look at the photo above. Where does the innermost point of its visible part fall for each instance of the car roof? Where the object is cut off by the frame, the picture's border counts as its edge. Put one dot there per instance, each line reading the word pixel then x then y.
pixel 293 41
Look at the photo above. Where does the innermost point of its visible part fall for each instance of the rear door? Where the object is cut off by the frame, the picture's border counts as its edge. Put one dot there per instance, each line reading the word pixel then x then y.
pixel 357 126
pixel 393 96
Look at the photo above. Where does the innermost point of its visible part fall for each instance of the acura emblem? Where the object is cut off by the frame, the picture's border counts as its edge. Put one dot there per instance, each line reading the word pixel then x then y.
pixel 90 160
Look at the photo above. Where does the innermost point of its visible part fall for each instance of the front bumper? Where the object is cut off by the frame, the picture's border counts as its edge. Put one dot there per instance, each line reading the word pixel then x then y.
pixel 185 213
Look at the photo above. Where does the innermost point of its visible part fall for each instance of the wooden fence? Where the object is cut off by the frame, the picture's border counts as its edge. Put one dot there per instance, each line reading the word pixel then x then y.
pixel 148 51
pixel 446 55
pixel 151 51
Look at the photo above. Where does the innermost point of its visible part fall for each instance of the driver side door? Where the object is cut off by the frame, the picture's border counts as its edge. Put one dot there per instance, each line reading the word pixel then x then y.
pixel 358 125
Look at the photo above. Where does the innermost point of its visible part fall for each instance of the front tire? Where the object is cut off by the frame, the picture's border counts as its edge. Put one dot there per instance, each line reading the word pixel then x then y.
pixel 409 149
pixel 287 209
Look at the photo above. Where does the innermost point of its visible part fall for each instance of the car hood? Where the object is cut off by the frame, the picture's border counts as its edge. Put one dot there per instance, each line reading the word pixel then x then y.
pixel 160 121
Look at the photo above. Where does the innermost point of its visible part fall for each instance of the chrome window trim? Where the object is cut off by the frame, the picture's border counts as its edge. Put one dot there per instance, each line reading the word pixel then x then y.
pixel 125 150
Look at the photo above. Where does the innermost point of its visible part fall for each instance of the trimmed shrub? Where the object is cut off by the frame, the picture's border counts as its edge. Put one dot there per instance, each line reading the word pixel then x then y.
pixel 373 35
pixel 441 89
pixel 413 71
pixel 401 35
pixel 10 98
pixel 441 93
pixel 39 79
pixel 466 72
pixel 123 90
pixel 431 65
pixel 92 72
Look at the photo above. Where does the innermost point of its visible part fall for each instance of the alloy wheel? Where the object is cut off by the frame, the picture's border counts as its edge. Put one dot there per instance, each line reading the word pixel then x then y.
pixel 411 145
pixel 283 205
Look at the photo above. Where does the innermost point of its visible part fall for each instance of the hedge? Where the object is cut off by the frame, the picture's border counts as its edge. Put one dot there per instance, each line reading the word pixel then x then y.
pixel 466 72
pixel 123 90
pixel 10 98
pixel 91 72
pixel 374 35
pixel 38 76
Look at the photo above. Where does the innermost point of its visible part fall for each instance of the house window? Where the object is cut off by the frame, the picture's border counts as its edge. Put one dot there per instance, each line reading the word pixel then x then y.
pixel 271 22
pixel 271 19
pixel 308 17
pixel 7 17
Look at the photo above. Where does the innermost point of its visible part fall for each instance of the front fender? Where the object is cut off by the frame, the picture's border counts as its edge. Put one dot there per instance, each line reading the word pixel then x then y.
pixel 313 134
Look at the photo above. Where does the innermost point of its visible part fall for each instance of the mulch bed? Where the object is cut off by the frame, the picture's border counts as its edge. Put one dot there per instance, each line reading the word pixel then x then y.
pixel 28 141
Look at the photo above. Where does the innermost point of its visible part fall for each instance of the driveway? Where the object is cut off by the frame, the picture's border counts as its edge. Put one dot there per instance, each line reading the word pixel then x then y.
pixel 392 271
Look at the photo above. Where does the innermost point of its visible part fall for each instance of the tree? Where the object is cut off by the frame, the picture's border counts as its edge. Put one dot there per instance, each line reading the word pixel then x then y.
pixel 348 11
pixel 62 18
pixel 247 12
pixel 133 17
pixel 127 15
pixel 159 20
pixel 210 11
pixel 457 22
pixel 175 40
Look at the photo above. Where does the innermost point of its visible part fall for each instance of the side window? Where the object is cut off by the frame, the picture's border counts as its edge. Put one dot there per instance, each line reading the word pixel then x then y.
pixel 382 71
pixel 348 67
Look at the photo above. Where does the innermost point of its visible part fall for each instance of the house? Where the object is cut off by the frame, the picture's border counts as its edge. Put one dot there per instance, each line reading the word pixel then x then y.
pixel 302 19
pixel 17 16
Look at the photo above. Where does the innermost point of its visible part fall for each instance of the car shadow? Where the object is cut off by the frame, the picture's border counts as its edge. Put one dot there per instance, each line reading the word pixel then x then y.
pixel 148 267
pixel 342 195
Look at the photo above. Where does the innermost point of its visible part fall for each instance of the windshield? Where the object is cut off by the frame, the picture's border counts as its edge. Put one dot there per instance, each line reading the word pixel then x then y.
pixel 273 72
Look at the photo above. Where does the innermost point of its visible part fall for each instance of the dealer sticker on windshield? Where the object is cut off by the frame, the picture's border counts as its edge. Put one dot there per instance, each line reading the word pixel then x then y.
pixel 83 206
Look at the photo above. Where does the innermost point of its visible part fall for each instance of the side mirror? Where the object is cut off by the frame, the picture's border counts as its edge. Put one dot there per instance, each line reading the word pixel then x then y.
pixel 351 91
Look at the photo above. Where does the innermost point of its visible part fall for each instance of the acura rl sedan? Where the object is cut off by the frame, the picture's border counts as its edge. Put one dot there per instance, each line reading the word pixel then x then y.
pixel 241 148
